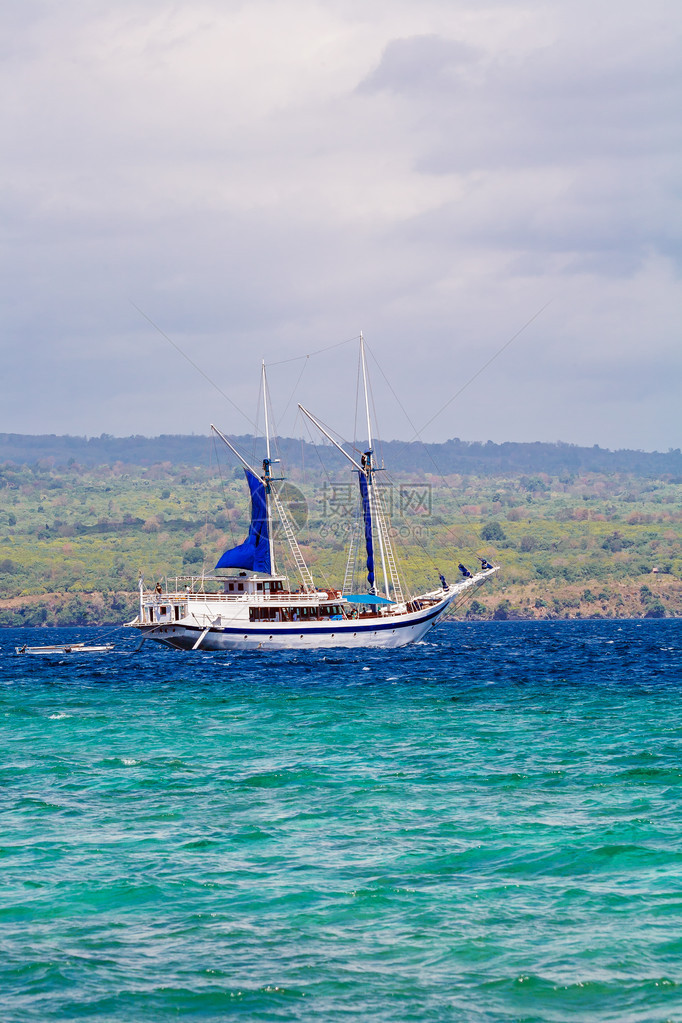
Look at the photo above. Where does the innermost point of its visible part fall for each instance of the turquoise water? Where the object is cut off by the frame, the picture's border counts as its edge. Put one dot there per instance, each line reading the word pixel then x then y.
pixel 483 827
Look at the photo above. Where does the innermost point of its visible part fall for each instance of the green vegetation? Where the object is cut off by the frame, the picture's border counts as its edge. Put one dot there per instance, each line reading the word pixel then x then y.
pixel 73 540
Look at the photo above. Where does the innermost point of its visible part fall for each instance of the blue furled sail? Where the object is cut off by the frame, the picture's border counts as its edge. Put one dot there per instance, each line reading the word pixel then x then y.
pixel 369 544
pixel 254 553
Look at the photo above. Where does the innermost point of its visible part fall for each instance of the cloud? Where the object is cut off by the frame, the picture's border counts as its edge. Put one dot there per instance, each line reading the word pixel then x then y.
pixel 265 179
pixel 422 66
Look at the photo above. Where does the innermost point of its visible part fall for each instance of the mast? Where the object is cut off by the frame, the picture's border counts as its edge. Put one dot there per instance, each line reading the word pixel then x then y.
pixel 272 497
pixel 364 382
pixel 250 554
pixel 265 409
pixel 267 471
pixel 371 499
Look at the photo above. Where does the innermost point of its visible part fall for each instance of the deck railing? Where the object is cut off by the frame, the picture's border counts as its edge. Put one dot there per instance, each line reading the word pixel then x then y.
pixel 180 596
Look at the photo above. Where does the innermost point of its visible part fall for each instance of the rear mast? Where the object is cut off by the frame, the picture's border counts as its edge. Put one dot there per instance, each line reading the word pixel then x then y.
pixel 376 518
pixel 267 471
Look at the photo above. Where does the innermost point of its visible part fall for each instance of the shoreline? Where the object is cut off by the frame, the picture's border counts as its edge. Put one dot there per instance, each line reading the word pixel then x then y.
pixel 637 602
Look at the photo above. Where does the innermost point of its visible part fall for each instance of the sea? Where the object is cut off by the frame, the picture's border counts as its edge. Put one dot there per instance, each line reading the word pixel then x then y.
pixel 486 826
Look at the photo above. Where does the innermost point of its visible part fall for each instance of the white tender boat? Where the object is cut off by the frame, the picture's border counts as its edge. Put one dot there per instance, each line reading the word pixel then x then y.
pixel 256 608
pixel 64 648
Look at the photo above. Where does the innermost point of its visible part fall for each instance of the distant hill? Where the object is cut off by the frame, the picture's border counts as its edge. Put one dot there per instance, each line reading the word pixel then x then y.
pixel 453 456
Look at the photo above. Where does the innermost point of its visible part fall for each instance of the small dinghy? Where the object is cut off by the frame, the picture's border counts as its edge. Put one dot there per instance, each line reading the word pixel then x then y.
pixel 64 648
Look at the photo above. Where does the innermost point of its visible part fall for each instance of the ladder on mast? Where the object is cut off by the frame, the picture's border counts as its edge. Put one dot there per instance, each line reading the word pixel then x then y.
pixel 388 549
pixel 350 564
pixel 303 570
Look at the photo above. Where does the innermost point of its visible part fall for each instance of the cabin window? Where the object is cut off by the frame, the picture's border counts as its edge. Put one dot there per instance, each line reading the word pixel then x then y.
pixel 231 587
pixel 162 610
pixel 264 614
pixel 177 612
pixel 259 586
pixel 240 586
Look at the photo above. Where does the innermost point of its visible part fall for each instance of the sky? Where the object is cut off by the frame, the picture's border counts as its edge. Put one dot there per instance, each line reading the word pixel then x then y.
pixel 489 191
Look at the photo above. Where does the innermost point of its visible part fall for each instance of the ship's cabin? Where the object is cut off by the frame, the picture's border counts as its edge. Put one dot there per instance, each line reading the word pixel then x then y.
pixel 237 586
pixel 163 613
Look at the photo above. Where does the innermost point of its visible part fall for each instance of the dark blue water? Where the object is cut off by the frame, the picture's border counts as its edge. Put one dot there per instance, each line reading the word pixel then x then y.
pixel 486 826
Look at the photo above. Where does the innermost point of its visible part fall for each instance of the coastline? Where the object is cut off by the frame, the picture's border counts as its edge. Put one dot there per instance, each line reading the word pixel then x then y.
pixel 649 596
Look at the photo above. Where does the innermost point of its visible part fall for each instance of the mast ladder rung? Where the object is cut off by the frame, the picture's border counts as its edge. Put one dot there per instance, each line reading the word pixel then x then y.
pixel 299 560
pixel 388 551
pixel 350 564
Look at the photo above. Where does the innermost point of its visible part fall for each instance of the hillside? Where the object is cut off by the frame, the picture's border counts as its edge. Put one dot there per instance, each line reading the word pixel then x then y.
pixel 453 456
pixel 74 539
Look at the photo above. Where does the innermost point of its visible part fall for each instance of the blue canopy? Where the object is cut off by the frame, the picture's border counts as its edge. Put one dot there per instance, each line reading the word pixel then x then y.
pixel 366 598
pixel 254 553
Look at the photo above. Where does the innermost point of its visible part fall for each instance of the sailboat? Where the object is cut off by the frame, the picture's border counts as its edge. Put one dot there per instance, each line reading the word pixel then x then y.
pixel 256 607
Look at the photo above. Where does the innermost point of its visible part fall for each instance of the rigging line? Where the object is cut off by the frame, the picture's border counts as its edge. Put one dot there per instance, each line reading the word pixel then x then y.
pixel 319 351
pixel 295 389
pixel 224 489
pixel 257 430
pixel 413 527
pixel 456 604
pixel 428 452
pixel 357 399
pixel 191 362
pixel 275 436
pixel 268 414
pixel 316 449
pixel 208 501
pixel 318 570
pixel 482 369
pixel 342 439
pixel 300 416
pixel 391 481
pixel 331 430
pixel 377 437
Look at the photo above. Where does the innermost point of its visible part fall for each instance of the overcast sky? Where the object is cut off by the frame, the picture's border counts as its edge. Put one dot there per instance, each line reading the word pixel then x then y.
pixel 265 179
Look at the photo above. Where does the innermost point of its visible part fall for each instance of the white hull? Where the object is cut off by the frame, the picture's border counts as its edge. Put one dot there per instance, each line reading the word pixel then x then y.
pixel 277 636
pixel 212 623
pixel 67 648
pixel 382 634
pixel 258 609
